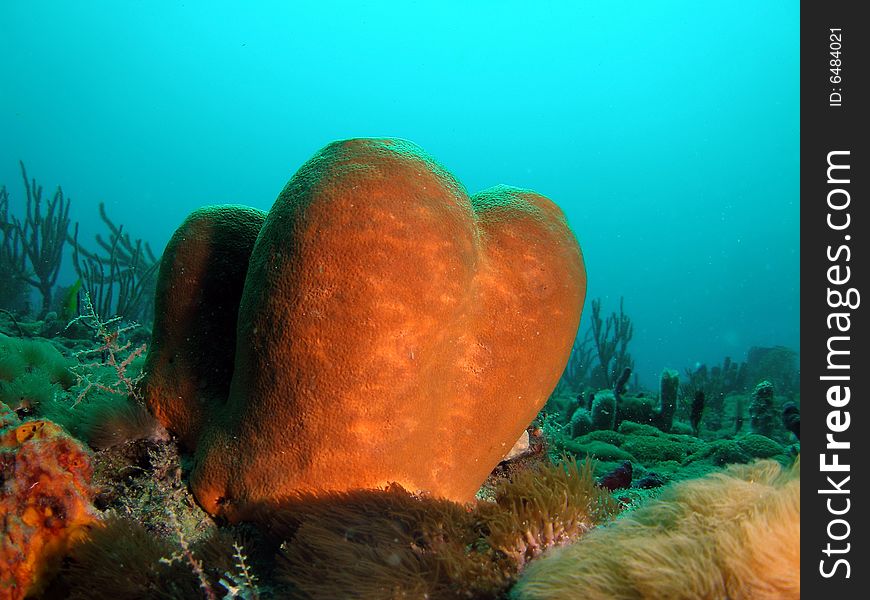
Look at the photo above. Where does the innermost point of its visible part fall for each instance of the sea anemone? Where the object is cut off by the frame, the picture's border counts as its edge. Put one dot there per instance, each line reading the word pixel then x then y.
pixel 734 534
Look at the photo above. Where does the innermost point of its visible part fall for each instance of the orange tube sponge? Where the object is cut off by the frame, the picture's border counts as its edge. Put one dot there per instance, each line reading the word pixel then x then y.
pixel 391 329
pixel 202 272
pixel 45 501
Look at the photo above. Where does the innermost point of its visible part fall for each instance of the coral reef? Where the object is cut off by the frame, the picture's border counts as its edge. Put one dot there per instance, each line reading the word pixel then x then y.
pixel 45 501
pixel 609 408
pixel 717 380
pixel 670 456
pixel 716 383
pixel 90 395
pixel 347 377
pixel 599 360
pixel 385 315
pixel 733 535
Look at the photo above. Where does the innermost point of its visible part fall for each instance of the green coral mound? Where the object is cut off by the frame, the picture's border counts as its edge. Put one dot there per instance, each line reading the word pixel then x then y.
pixel 649 450
pixel 599 450
pixel 649 445
pixel 740 450
pixel 628 428
pixel 32 372
pixel 19 356
pixel 721 453
pixel 608 436
pixel 673 456
pixel 759 446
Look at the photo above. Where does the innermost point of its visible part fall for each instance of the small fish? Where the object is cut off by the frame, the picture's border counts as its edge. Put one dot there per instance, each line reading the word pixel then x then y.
pixel 619 478
pixel 69 308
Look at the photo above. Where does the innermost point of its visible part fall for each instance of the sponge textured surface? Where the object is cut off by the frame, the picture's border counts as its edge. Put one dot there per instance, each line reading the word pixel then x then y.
pixel 391 329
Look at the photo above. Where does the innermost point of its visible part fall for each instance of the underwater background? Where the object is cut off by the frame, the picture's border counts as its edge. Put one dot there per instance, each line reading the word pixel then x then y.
pixel 667 132
pixel 364 384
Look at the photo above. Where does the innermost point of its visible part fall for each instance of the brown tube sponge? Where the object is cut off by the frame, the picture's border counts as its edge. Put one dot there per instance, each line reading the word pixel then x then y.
pixel 391 329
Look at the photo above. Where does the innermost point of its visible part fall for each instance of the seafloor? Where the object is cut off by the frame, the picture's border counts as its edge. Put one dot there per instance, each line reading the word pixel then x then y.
pixel 99 507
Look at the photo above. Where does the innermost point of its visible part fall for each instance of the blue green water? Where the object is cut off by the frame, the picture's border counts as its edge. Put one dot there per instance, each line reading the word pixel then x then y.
pixel 667 131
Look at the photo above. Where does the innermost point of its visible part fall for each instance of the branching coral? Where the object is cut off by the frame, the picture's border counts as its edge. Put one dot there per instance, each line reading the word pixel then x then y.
pixel 13 282
pixel 42 237
pixel 121 281
pixel 116 353
pixel 611 337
